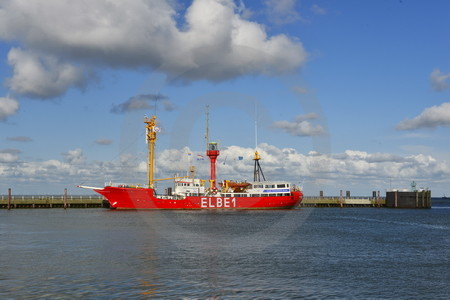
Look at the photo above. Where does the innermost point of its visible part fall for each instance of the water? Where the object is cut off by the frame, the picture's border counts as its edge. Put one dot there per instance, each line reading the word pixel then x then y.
pixel 363 253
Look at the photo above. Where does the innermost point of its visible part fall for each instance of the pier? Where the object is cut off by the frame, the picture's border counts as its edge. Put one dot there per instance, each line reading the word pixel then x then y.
pixel 10 201
pixel 342 202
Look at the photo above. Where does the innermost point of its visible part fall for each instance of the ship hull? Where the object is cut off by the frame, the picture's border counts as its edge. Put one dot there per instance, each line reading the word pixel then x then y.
pixel 143 198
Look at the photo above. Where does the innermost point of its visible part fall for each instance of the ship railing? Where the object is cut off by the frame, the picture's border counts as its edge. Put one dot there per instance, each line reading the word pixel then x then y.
pixel 167 197
pixel 124 185
pixel 343 197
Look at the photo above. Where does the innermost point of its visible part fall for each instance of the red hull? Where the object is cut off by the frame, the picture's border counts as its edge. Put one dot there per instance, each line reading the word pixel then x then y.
pixel 142 198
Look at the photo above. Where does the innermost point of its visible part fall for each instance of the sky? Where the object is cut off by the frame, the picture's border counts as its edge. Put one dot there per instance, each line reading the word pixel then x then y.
pixel 334 95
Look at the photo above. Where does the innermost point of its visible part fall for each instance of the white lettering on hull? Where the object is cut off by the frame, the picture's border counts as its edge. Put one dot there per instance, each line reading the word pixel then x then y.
pixel 218 202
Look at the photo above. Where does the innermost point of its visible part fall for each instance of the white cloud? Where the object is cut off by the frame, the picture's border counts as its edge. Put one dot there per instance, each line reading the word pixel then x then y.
pixel 214 43
pixel 289 164
pixel 301 126
pixel 438 80
pixel 142 102
pixel 348 170
pixel 75 156
pixel 9 155
pixel 41 76
pixel 431 117
pixel 282 11
pixel 8 107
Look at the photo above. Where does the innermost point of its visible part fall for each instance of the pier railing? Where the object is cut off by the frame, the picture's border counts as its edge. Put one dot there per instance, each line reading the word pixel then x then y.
pixel 341 201
pixel 51 201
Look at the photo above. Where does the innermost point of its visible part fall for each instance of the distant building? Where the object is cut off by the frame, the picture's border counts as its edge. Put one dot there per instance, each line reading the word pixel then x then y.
pixel 408 199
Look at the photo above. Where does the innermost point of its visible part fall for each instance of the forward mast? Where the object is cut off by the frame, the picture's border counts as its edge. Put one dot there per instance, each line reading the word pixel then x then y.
pixel 151 130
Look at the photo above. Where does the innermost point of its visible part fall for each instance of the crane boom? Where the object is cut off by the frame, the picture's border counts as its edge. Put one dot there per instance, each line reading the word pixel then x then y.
pixel 161 179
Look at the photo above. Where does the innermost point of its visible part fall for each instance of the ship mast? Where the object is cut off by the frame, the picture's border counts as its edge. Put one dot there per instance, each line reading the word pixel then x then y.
pixel 212 151
pixel 151 130
pixel 257 171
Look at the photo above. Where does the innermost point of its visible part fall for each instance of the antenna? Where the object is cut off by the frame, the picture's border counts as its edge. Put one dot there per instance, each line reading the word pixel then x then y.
pixel 256 126
pixel 207 127
pixel 156 102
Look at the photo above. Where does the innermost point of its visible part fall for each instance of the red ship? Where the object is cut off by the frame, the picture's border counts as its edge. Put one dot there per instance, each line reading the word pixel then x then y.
pixel 193 193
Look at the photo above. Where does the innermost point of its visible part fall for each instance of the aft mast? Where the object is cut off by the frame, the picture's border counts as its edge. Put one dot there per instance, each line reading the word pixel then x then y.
pixel 257 171
pixel 151 138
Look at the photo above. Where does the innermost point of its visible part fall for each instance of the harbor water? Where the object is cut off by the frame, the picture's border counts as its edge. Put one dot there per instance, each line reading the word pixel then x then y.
pixel 309 253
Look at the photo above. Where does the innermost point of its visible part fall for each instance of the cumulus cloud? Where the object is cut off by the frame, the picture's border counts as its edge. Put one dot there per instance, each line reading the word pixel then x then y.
pixel 75 156
pixel 360 164
pixel 142 102
pixel 339 170
pixel 301 126
pixel 438 80
pixel 282 11
pixel 211 41
pixel 9 155
pixel 42 76
pixel 8 107
pixel 438 115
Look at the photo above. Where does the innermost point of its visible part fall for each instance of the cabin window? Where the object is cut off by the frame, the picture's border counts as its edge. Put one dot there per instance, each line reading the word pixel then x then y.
pixel 279 195
pixel 254 195
pixel 270 186
pixel 281 185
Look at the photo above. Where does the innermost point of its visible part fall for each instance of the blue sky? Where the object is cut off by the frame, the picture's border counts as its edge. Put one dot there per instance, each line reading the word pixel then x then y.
pixel 350 95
